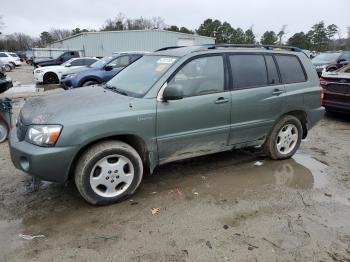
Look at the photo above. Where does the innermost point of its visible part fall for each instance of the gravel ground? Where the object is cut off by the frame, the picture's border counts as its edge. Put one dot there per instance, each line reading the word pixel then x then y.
pixel 222 207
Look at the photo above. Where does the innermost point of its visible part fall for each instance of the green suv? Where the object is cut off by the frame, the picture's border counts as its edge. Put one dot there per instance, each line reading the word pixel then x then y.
pixel 169 105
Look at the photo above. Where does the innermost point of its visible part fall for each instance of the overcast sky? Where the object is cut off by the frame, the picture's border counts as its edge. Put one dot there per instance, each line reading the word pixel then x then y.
pixel 35 16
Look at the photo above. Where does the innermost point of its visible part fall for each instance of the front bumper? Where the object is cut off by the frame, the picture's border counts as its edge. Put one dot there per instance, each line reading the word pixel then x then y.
pixel 67 83
pixel 39 77
pixel 337 107
pixel 45 163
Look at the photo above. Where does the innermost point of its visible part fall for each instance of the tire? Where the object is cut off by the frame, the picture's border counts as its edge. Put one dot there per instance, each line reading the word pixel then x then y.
pixel 13 64
pixel 50 78
pixel 4 131
pixel 284 139
pixel 8 68
pixel 99 187
pixel 90 83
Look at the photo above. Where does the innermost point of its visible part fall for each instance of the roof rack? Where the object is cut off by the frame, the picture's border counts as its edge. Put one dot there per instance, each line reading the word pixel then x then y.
pixel 267 47
pixel 167 48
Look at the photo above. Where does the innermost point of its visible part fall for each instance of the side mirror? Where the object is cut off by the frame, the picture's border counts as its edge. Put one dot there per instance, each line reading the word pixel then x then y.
pixel 68 65
pixel 173 92
pixel 108 68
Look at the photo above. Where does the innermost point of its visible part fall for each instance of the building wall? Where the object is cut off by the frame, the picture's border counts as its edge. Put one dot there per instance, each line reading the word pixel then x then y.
pixel 105 43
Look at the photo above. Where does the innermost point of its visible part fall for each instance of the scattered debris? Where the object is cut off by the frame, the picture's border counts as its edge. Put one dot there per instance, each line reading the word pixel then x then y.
pixel 225 226
pixel 179 192
pixel 185 251
pixel 302 199
pixel 196 193
pixel 208 244
pixel 155 210
pixel 251 247
pixel 104 237
pixel 258 163
pixel 28 237
pixel 154 192
pixel 133 202
pixel 328 194
pixel 269 241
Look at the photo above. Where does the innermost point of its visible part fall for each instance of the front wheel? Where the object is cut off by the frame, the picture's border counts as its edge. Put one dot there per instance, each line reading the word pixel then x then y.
pixel 284 139
pixel 4 131
pixel 108 172
pixel 8 68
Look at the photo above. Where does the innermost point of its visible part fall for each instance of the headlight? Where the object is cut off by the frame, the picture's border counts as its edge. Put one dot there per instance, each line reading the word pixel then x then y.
pixel 42 135
pixel 38 71
pixel 72 75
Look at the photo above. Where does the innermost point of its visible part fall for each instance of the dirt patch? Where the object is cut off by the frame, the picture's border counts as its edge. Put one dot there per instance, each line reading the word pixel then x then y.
pixel 220 207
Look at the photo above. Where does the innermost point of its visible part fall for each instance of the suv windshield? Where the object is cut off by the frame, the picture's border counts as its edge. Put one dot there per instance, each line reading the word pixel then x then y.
pixel 136 79
pixel 326 58
pixel 102 62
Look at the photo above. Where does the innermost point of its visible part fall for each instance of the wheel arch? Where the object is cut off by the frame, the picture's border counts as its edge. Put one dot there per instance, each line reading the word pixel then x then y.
pixel 302 116
pixel 89 78
pixel 133 140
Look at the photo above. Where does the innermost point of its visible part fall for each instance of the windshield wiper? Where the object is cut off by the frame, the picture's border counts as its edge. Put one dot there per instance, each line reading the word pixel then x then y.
pixel 115 89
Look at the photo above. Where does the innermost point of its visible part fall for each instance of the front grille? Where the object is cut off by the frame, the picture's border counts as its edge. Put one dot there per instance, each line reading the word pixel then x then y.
pixel 341 88
pixel 21 129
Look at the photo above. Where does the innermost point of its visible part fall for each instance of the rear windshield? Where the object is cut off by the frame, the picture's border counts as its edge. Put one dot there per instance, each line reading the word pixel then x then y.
pixel 326 58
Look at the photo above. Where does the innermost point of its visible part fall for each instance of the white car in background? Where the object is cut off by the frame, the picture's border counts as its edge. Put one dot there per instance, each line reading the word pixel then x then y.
pixel 53 74
pixel 12 58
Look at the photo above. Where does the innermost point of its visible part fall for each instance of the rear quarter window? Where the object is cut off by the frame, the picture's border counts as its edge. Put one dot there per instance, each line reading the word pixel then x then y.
pixel 291 69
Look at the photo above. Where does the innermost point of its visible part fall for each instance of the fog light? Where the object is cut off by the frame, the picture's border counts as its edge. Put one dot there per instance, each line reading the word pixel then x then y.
pixel 24 163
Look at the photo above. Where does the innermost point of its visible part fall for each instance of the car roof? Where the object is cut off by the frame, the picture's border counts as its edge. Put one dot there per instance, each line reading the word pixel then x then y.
pixel 182 51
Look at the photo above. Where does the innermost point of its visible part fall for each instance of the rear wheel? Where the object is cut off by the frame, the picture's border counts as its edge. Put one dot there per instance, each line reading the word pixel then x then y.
pixel 285 138
pixel 13 64
pixel 3 131
pixel 8 68
pixel 108 172
pixel 50 78
pixel 90 83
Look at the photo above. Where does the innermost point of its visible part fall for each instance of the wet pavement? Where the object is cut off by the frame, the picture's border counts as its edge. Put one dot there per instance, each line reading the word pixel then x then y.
pixel 232 206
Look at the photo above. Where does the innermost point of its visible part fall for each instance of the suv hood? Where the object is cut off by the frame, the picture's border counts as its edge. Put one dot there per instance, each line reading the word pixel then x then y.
pixel 81 104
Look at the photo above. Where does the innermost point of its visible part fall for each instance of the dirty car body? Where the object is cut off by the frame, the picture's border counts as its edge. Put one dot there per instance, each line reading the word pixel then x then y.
pixel 167 106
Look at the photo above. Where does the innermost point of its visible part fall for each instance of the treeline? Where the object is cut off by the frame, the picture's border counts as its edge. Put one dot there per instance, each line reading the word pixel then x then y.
pixel 320 37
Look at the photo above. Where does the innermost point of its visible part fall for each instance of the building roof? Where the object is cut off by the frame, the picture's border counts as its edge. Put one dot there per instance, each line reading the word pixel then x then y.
pixel 126 31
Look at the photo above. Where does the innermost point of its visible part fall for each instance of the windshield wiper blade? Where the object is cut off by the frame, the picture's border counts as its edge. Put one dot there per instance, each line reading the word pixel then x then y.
pixel 115 89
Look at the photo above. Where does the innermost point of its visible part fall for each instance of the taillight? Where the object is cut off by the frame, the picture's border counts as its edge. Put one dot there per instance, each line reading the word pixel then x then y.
pixel 323 83
pixel 321 96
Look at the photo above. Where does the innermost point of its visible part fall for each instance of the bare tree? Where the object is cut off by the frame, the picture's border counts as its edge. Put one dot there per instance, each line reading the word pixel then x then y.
pixel 281 33
pixel 59 34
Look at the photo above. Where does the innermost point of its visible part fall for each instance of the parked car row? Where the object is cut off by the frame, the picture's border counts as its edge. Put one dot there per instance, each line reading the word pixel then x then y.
pixel 84 71
pixel 9 61
pixel 331 61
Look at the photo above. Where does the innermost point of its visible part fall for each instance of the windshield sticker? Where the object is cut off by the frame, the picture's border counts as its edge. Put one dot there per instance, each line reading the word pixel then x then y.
pixel 166 60
pixel 160 68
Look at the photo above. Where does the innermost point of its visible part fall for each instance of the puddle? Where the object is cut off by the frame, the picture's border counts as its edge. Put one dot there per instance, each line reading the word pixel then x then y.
pixel 232 173
pixel 32 88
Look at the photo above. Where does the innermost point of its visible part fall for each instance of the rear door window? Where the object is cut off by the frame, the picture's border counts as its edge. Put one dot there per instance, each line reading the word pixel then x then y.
pixel 291 69
pixel 272 73
pixel 248 71
pixel 3 55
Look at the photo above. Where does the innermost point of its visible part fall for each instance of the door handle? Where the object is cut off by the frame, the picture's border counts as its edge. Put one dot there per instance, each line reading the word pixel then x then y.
pixel 277 92
pixel 221 100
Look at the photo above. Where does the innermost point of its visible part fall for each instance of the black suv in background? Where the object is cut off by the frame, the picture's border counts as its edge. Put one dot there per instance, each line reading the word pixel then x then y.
pixel 56 61
pixel 331 61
